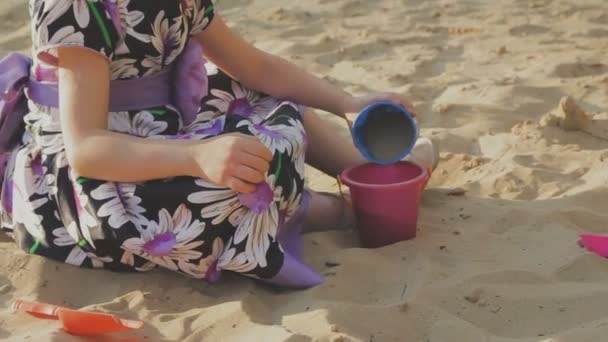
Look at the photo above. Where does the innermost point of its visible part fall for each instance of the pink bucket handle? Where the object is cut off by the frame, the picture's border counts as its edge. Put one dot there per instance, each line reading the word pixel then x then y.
pixel 427 178
pixel 341 189
pixel 340 185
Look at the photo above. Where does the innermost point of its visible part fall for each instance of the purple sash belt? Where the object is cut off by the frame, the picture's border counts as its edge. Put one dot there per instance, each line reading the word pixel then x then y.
pixel 125 95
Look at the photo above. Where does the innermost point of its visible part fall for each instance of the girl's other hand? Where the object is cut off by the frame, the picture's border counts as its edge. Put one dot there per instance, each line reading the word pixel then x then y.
pixel 355 105
pixel 236 161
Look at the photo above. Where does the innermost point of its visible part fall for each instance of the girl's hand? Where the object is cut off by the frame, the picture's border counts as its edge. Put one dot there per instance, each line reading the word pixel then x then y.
pixel 355 105
pixel 236 161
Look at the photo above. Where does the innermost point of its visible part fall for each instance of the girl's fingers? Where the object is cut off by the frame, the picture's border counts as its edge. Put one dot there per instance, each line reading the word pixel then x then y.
pixel 351 118
pixel 249 175
pixel 255 162
pixel 240 186
pixel 258 149
pixel 404 102
pixel 410 107
pixel 396 98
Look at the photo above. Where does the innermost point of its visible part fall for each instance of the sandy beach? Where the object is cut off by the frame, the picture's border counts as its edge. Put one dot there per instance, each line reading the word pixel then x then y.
pixel 516 91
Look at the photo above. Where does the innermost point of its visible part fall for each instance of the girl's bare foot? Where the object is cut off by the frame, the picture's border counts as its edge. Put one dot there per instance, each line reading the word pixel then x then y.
pixel 425 153
pixel 329 212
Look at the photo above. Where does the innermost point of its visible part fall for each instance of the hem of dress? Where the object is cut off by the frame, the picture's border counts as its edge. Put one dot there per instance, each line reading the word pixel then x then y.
pixel 5 160
pixel 295 272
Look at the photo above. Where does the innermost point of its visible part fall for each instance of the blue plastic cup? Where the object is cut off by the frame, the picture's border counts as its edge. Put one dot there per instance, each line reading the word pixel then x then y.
pixel 385 133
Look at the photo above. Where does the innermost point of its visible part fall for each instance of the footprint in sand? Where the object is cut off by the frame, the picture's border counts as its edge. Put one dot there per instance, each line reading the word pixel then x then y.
pixel 359 52
pixel 600 19
pixel 522 304
pixel 356 8
pixel 304 32
pixel 583 269
pixel 598 33
pixel 528 30
pixel 316 45
pixel 574 70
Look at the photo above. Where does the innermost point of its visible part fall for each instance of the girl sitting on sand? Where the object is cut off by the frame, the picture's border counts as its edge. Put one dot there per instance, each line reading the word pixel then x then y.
pixel 146 157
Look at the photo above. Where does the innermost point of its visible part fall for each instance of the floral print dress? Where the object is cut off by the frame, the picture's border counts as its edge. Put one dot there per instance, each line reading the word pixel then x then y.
pixel 182 224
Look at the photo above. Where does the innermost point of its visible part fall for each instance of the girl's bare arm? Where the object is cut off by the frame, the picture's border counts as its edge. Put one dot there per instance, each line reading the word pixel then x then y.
pixel 95 152
pixel 267 73
pixel 92 150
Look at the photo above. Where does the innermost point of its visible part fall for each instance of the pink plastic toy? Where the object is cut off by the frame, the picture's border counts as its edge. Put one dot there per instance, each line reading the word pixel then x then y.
pixel 596 243
pixel 385 199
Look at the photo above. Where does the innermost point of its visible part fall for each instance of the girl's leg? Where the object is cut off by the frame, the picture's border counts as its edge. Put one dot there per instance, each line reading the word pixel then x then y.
pixel 328 211
pixel 328 150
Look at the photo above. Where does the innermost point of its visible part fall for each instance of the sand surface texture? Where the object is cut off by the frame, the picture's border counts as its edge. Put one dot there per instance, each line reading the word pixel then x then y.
pixel 516 91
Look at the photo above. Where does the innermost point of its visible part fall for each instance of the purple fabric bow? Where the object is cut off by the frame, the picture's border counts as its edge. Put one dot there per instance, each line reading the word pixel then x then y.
pixel 190 81
pixel 3 164
pixel 14 74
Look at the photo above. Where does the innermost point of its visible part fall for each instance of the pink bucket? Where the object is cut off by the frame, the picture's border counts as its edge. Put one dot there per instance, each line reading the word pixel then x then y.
pixel 386 200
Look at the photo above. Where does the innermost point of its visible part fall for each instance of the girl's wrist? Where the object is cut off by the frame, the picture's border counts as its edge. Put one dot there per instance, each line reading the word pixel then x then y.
pixel 348 105
pixel 190 155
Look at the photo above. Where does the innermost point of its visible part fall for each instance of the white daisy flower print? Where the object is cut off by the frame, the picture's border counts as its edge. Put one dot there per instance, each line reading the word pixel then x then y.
pixel 169 41
pixel 123 68
pixel 66 35
pixel 170 240
pixel 259 230
pixel 200 19
pixel 210 268
pixel 220 203
pixel 279 138
pixel 81 12
pixel 259 224
pixel 289 205
pixel 142 125
pixel 187 7
pixel 128 258
pixel 243 102
pixel 41 180
pixel 201 129
pixel 206 268
pixel 67 236
pixel 121 206
pixel 25 204
pixel 86 219
pixel 77 255
pixel 256 215
pixel 51 141
pixel 131 19
pixel 231 261
pixel 56 8
pixel 23 213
